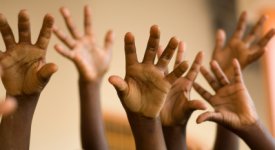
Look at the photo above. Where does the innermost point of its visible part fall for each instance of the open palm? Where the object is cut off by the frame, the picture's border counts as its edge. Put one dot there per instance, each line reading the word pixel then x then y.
pixel 232 103
pixel 145 86
pixel 178 107
pixel 24 70
pixel 91 60
pixel 246 49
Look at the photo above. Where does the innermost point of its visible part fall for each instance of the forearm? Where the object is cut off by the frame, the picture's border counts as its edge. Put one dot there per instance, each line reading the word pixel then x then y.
pixel 147 132
pixel 226 139
pixel 257 137
pixel 15 129
pixel 175 137
pixel 92 127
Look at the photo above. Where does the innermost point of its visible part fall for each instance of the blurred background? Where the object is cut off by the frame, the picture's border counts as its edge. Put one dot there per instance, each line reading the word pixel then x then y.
pixel 56 120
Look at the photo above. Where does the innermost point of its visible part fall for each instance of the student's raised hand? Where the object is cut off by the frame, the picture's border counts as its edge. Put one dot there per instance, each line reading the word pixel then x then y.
pixel 24 67
pixel 233 106
pixel 91 60
pixel 178 107
pixel 246 49
pixel 145 87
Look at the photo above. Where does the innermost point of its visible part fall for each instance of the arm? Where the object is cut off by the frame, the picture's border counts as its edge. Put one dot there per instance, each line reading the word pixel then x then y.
pixel 233 107
pixel 247 49
pixel 178 107
pixel 145 87
pixel 24 75
pixel 92 62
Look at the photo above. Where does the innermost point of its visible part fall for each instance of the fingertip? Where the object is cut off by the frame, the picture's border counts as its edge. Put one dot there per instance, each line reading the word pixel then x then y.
pixel 110 35
pixel 129 38
pixel 155 31
pixel 49 18
pixel 23 13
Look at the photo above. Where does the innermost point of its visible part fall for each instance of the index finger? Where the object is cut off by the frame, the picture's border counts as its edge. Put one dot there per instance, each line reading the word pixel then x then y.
pixel 194 70
pixel 45 32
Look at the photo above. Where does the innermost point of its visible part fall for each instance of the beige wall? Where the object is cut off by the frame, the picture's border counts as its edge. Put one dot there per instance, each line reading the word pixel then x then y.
pixel 56 120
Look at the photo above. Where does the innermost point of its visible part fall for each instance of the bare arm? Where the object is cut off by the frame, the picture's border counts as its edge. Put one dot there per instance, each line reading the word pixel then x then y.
pixel 143 91
pixel 92 62
pixel 178 107
pixel 233 107
pixel 24 75
pixel 247 49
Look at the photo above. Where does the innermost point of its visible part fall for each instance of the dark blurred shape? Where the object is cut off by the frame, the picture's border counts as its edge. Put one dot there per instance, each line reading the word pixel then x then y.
pixel 224 15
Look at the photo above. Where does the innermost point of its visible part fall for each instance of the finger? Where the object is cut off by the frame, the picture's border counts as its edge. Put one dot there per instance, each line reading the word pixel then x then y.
pixel 130 49
pixel 8 106
pixel 194 70
pixel 168 53
pixel 24 27
pixel 210 79
pixel 88 20
pixel 256 30
pixel 69 22
pixel 177 72
pixel 210 116
pixel 64 52
pixel 45 32
pixel 196 105
pixel 202 92
pixel 119 84
pixel 64 38
pixel 152 45
pixel 220 40
pixel 241 26
pixel 46 71
pixel 179 57
pixel 6 33
pixel 215 67
pixel 159 52
pixel 237 71
pixel 268 36
pixel 109 40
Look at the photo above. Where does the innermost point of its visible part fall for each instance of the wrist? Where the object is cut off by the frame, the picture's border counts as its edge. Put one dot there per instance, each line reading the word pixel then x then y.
pixel 93 81
pixel 256 136
pixel 26 103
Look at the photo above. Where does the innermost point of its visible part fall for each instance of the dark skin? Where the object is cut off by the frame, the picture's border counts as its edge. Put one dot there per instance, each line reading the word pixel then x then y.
pixel 233 107
pixel 92 63
pixel 178 107
pixel 144 89
pixel 24 74
pixel 247 49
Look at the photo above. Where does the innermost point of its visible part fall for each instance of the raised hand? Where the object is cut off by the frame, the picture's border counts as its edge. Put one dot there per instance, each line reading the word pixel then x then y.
pixel 233 106
pixel 145 87
pixel 246 49
pixel 24 68
pixel 24 74
pixel 178 107
pixel 91 60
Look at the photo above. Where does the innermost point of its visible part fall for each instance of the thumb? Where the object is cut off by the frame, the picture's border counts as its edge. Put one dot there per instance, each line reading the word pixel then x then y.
pixel 119 84
pixel 210 116
pixel 46 72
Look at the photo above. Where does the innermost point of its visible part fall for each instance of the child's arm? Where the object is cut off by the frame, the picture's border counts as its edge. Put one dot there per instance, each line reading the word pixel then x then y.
pixel 233 107
pixel 247 49
pixel 24 74
pixel 92 62
pixel 178 107
pixel 145 87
